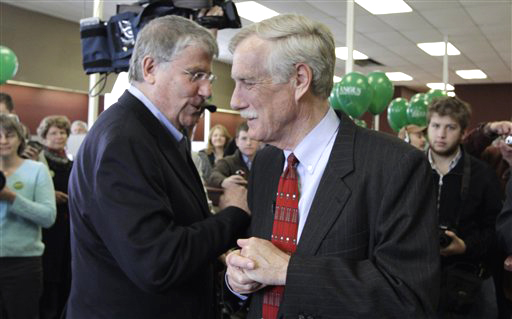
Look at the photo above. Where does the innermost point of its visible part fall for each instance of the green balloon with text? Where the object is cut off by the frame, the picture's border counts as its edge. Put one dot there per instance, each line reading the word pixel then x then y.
pixel 418 96
pixel 382 91
pixel 354 94
pixel 397 113
pixel 8 64
pixel 333 99
pixel 417 112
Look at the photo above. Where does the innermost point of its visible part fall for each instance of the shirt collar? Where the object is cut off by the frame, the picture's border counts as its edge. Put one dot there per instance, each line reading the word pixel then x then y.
pixel 310 149
pixel 453 162
pixel 247 161
pixel 156 112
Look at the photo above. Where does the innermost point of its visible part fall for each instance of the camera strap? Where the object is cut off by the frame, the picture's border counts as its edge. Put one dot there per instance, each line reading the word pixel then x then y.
pixel 464 185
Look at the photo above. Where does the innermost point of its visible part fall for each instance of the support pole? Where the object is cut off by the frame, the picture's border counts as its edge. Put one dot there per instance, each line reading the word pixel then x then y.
pixel 94 99
pixel 349 64
pixel 445 64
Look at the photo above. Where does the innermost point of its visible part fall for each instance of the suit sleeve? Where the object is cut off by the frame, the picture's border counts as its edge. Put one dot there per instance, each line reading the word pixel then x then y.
pixel 133 214
pixel 504 222
pixel 399 279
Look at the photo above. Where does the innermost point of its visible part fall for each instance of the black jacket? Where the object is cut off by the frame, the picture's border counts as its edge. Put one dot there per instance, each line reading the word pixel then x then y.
pixel 478 213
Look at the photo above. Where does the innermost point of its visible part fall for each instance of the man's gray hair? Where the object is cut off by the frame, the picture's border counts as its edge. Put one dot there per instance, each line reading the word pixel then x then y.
pixel 295 39
pixel 164 38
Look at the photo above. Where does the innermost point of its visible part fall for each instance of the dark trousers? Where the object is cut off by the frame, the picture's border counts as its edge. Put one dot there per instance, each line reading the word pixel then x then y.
pixel 20 287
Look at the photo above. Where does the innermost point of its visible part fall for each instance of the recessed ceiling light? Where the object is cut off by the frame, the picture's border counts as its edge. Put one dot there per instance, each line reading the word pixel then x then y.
pixel 440 86
pixel 253 11
pixel 451 93
pixel 398 76
pixel 437 48
pixel 336 79
pixel 384 7
pixel 471 74
pixel 342 53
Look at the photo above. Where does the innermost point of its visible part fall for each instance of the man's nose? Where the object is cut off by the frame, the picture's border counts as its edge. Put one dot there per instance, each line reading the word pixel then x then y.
pixel 205 89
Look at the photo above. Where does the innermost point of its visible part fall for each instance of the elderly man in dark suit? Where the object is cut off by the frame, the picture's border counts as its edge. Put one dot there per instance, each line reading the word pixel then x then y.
pixel 143 240
pixel 365 242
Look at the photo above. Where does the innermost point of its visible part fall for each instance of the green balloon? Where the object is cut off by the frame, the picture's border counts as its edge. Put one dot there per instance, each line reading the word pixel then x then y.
pixel 354 94
pixel 361 123
pixel 333 99
pixel 418 96
pixel 434 95
pixel 382 91
pixel 417 112
pixel 8 64
pixel 397 113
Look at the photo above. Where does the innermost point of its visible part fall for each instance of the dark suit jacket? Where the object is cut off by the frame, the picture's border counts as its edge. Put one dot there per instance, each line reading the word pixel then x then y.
pixel 369 248
pixel 143 239
pixel 226 167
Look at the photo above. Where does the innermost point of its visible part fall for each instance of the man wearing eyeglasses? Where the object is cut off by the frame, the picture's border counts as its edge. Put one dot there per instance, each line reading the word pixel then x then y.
pixel 143 239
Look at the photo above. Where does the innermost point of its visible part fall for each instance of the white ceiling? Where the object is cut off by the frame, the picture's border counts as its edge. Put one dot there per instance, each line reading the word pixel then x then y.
pixel 480 29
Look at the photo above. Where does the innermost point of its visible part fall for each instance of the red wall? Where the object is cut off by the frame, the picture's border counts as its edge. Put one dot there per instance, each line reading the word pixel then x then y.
pixel 33 104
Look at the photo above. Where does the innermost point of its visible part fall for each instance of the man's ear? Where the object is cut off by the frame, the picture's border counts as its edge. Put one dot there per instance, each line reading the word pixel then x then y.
pixel 303 79
pixel 148 69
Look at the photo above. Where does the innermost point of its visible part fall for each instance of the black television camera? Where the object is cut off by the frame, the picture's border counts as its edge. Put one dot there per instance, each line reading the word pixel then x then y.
pixel 107 46
pixel 444 240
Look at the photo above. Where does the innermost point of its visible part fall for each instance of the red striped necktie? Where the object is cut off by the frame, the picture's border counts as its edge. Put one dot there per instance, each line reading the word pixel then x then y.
pixel 284 232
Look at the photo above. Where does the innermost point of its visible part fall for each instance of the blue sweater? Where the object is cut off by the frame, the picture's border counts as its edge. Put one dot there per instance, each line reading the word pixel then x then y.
pixel 33 208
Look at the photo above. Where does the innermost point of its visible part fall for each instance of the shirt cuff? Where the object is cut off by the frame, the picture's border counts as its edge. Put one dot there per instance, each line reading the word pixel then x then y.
pixel 242 297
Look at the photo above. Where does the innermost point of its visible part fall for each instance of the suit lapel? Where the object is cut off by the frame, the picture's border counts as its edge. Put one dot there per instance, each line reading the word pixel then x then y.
pixel 169 147
pixel 332 193
pixel 273 169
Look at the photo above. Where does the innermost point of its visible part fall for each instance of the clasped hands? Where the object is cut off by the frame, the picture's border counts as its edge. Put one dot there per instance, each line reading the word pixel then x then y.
pixel 256 265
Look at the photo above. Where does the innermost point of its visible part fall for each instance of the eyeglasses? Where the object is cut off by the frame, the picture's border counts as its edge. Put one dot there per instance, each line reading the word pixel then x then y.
pixel 200 76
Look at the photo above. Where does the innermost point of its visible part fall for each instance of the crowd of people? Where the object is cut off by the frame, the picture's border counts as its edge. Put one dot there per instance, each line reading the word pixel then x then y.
pixel 318 218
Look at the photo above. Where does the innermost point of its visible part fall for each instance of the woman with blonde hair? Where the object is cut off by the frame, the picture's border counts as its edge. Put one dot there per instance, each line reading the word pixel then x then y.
pixel 218 139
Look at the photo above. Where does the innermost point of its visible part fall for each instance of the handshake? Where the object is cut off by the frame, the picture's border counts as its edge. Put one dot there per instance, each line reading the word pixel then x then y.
pixel 257 264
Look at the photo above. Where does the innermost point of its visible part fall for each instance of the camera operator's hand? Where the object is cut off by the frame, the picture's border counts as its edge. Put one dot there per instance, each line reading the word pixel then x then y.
pixel 214 11
pixel 499 128
pixel 456 247
pixel 507 265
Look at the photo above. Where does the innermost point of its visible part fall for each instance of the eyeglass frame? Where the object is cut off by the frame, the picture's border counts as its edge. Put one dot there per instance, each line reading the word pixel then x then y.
pixel 200 76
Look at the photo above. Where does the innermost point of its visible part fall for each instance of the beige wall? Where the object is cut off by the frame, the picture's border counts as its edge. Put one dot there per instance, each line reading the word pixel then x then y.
pixel 49 53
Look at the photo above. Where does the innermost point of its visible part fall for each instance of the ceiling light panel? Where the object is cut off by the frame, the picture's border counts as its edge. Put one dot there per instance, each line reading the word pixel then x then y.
pixel 253 11
pixel 440 86
pixel 342 53
pixel 398 76
pixel 384 7
pixel 437 48
pixel 471 74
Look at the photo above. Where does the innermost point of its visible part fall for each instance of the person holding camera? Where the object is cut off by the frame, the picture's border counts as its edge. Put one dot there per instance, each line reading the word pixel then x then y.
pixel 468 202
pixel 492 143
pixel 27 204
pixel 234 169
